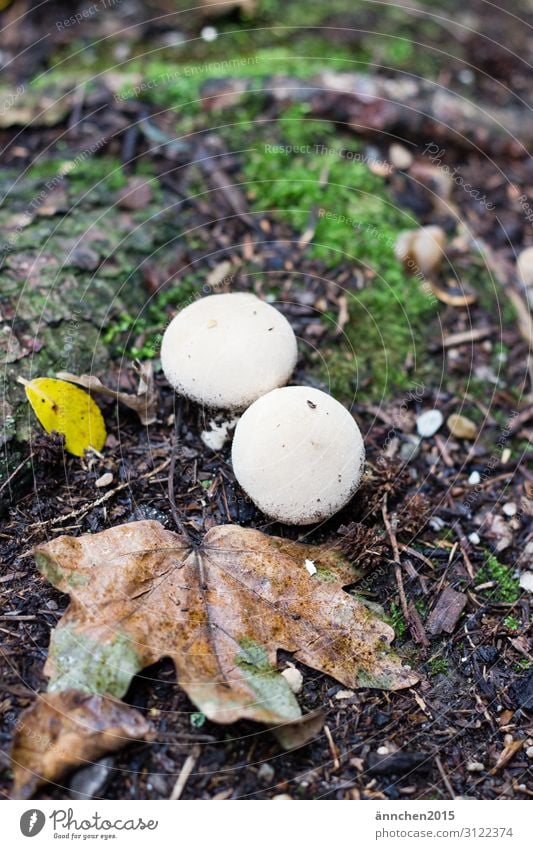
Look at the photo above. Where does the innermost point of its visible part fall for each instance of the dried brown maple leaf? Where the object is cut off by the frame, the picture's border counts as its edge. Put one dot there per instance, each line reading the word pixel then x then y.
pixel 220 611
pixel 67 729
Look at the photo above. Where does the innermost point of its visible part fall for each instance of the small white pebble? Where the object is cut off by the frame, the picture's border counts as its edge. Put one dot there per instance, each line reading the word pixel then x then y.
pixel 382 750
pixel 474 538
pixel 104 480
pixel 510 509
pixel 466 76
pixel 474 479
pixel 265 773
pixel 508 739
pixel 475 766
pixel 526 581
pixel 506 455
pixel 344 694
pixel 294 679
pixel 310 566
pixel 282 797
pixel 209 34
pixel 429 422
pixel 529 751
pixel 436 523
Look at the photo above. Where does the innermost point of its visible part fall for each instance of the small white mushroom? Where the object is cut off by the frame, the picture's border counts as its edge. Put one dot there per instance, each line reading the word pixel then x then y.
pixel 421 250
pixel 225 351
pixel 298 454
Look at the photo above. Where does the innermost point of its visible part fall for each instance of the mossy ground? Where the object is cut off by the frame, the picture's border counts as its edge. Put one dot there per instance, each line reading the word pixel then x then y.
pixel 382 350
pixel 383 345
pixel 507 588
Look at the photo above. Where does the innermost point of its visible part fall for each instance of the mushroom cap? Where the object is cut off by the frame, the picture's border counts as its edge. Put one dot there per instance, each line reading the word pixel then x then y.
pixel 298 454
pixel 225 351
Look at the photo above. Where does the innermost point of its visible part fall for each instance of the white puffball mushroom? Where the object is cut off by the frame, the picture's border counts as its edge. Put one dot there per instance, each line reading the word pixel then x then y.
pixel 225 351
pixel 298 454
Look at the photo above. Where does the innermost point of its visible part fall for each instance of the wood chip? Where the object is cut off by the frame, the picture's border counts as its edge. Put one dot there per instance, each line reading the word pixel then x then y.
pixel 446 613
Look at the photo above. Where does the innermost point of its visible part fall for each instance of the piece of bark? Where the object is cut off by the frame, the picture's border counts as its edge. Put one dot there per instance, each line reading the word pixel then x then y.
pixel 446 613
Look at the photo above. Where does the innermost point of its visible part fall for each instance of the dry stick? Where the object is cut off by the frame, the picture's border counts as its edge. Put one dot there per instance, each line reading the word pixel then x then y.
pixel 332 747
pixel 410 613
pixel 463 542
pixel 465 337
pixel 173 457
pixel 444 777
pixel 521 419
pixel 17 470
pixel 187 768
pixel 396 557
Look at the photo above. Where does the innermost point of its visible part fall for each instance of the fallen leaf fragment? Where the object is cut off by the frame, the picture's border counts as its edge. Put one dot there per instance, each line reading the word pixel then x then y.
pixel 507 753
pixel 144 403
pixel 447 612
pixel 221 611
pixel 66 409
pixel 67 729
pixel 454 296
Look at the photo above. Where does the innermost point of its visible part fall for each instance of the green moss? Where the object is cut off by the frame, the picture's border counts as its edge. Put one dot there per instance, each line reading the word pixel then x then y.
pixel 356 223
pixel 511 623
pixel 438 666
pixel 508 587
pixel 396 620
pixel 96 171
pixel 151 321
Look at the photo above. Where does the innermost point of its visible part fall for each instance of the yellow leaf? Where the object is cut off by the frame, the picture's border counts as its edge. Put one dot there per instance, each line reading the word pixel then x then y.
pixel 69 410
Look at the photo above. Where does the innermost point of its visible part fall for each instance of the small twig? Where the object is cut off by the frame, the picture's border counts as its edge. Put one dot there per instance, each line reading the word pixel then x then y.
pixel 465 337
pixel 397 563
pixel 521 419
pixel 414 553
pixel 183 777
pixel 178 521
pixel 390 531
pixel 332 747
pixel 444 777
pixel 410 614
pixel 17 470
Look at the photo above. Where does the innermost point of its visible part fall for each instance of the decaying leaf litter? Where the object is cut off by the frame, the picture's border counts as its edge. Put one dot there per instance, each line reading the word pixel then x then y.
pixel 360 723
pixel 220 611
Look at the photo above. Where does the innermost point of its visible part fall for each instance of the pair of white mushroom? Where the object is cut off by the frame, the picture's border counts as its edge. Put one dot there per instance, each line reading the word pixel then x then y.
pixel 297 452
